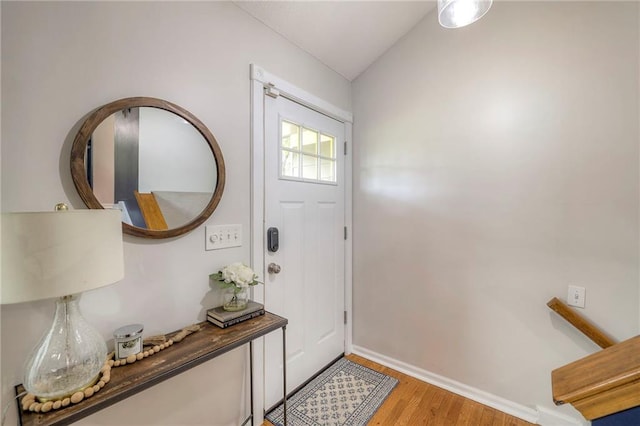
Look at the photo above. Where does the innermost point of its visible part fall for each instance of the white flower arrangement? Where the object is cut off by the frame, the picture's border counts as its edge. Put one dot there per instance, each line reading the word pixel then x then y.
pixel 236 275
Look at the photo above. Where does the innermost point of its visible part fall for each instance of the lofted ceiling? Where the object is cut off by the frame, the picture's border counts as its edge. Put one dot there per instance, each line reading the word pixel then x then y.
pixel 347 36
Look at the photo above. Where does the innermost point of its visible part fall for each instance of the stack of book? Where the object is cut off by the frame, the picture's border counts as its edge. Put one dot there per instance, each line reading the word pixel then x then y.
pixel 224 319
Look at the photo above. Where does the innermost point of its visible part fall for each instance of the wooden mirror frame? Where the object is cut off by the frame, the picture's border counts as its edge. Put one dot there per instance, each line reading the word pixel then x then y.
pixel 79 171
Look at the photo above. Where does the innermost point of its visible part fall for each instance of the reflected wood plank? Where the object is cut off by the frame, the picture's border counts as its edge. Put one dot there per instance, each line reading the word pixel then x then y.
pixel 150 210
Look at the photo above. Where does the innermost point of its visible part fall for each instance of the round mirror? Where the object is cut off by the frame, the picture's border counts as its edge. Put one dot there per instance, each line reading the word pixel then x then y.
pixel 151 159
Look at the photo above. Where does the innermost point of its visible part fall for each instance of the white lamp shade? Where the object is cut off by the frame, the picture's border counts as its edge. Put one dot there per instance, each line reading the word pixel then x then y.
pixel 54 254
pixel 459 13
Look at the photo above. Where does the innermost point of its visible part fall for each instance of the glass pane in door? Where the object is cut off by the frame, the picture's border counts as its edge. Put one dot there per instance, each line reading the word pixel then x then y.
pixel 328 170
pixel 327 146
pixel 290 164
pixel 290 135
pixel 310 167
pixel 309 141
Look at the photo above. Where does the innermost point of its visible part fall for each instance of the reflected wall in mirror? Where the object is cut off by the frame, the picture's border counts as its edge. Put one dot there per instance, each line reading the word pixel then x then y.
pixel 151 159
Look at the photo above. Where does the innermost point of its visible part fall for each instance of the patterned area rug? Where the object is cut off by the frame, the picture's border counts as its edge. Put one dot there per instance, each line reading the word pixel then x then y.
pixel 344 394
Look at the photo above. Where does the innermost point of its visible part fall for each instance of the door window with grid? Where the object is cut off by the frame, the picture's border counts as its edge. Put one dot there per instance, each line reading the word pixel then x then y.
pixel 307 154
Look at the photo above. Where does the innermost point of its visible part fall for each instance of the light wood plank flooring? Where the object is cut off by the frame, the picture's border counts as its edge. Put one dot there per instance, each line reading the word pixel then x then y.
pixel 414 402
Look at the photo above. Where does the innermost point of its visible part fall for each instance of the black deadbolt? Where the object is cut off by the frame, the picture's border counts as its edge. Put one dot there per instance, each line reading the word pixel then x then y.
pixel 272 240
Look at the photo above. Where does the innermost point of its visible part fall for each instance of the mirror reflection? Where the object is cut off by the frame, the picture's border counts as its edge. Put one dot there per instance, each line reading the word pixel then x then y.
pixel 151 159
pixel 151 164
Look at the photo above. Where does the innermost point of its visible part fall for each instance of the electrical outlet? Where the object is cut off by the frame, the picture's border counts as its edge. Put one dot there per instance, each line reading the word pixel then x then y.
pixel 222 236
pixel 576 296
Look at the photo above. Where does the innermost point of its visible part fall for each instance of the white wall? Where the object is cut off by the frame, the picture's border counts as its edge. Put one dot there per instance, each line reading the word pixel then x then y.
pixel 173 155
pixel 61 60
pixel 494 166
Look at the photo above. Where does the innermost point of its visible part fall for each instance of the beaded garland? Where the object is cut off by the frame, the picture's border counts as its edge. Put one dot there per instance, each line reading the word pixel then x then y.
pixel 29 401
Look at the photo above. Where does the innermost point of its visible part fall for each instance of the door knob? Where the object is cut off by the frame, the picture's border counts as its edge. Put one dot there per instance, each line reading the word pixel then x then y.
pixel 273 268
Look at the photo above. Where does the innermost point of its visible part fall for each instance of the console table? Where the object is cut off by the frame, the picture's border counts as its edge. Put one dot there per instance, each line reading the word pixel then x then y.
pixel 206 344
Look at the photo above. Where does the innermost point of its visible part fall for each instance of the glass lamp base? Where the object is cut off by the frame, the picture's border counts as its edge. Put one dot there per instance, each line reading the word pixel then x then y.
pixel 69 356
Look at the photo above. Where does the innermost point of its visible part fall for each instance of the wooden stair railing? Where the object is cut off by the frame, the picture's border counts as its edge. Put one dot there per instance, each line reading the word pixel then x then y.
pixel 603 383
pixel 581 323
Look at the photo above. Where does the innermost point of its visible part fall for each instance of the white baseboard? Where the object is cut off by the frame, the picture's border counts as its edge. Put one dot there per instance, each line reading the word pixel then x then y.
pixel 539 415
pixel 548 417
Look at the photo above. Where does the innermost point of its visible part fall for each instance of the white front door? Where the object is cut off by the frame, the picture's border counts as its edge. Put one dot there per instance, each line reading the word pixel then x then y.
pixel 304 201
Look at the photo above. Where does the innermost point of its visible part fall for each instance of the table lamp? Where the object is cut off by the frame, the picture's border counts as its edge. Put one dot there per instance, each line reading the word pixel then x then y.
pixel 59 255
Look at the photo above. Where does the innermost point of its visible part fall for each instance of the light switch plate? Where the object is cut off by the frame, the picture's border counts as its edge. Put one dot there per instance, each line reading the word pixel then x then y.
pixel 222 236
pixel 576 296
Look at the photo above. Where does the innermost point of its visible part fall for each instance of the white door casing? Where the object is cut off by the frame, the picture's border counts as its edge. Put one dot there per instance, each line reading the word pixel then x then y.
pixel 260 80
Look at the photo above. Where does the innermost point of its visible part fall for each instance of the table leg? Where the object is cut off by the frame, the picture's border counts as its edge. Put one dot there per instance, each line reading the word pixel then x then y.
pixel 284 372
pixel 251 378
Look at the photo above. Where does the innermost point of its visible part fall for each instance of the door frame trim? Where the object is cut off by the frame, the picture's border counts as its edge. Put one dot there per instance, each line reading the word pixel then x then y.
pixel 259 80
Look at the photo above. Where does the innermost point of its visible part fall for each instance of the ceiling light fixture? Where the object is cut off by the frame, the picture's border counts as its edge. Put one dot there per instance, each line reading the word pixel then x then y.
pixel 459 13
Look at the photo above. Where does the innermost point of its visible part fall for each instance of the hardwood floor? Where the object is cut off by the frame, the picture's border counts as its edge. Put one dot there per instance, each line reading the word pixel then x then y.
pixel 414 403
